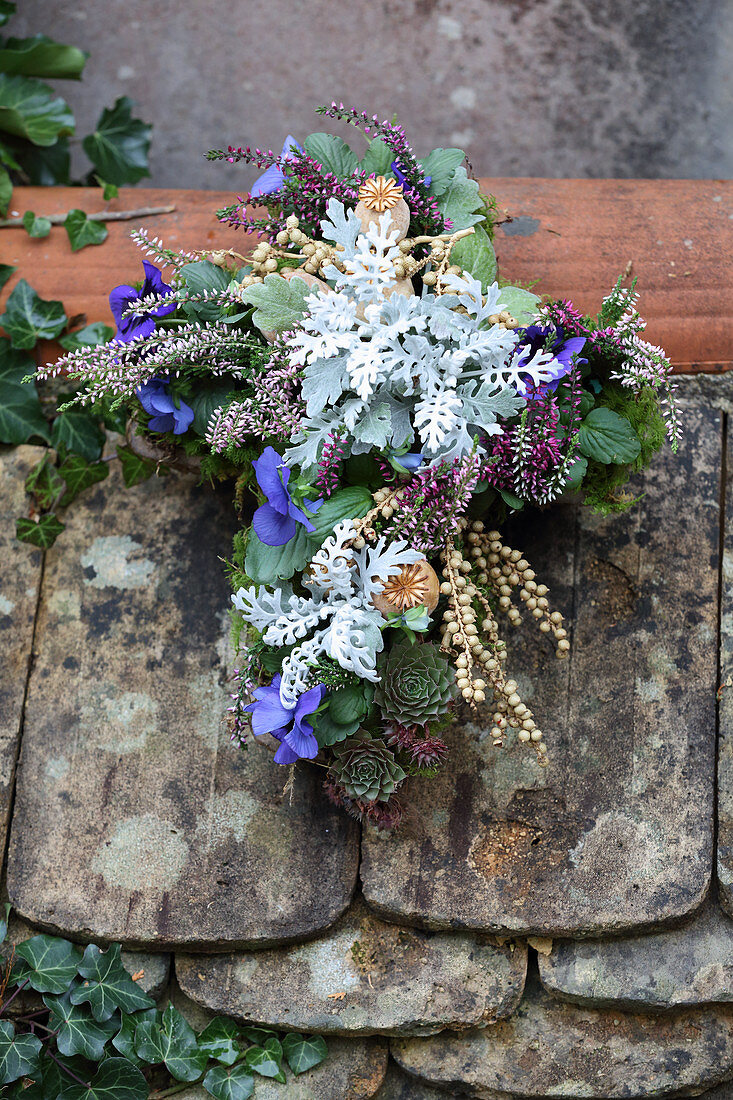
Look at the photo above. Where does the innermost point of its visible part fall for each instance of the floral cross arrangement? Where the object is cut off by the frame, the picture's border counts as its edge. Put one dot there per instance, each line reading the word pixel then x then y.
pixel 365 378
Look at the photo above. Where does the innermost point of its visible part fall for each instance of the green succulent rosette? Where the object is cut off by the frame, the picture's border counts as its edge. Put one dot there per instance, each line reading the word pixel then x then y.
pixel 416 684
pixel 366 768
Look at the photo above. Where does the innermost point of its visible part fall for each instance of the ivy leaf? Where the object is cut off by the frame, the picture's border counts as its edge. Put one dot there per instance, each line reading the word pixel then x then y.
pixel 303 1054
pixel 441 166
pixel 265 1063
pixel 79 431
pixel 41 56
pixel 135 468
pixel 204 402
pixel 6 193
pixel 48 963
pixel 88 337
pixel 229 1082
pixel 28 318
pixel 267 564
pixel 219 1040
pixel 353 502
pixel 172 1042
pixel 200 277
pixel 109 190
pixel 18 1053
pixel 279 302
pixel 475 254
pixel 83 231
pixel 42 534
pixel 46 166
pixel 46 484
pixel 35 226
pixel 28 109
pixel 21 417
pixel 7 8
pixel 78 1031
pixel 118 148
pixel 6 272
pixel 608 437
pixel 258 1035
pixel 522 304
pixel 116 1079
pixel 378 158
pixel 461 201
pixel 79 475
pixel 108 986
pixel 333 154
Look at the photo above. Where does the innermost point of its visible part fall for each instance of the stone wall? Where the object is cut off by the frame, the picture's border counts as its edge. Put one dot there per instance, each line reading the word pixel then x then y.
pixel 561 88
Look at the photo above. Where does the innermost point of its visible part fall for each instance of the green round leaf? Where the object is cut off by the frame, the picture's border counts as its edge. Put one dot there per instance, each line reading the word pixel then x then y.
pixel 229 1082
pixel 264 1062
pixel 48 963
pixel 522 304
pixel 304 1053
pixel 353 502
pixel 266 564
pixel 461 201
pixel 41 56
pixel 118 148
pixel 29 109
pixel 608 437
pixel 475 254
pixel 348 704
pixel 333 153
pixel 35 226
pixel 378 159
pixel 441 166
pixel 18 1053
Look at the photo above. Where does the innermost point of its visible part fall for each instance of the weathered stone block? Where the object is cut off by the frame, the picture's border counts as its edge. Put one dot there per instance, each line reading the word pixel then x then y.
pixel 691 965
pixel 20 578
pixel 398 1086
pixel 552 1049
pixel 725 706
pixel 363 977
pixel 163 833
pixel 616 833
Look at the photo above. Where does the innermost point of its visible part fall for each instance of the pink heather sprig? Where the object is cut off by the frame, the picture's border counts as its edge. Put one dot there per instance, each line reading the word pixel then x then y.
pixel 433 501
pixel 329 465
pixel 156 250
pixel 274 409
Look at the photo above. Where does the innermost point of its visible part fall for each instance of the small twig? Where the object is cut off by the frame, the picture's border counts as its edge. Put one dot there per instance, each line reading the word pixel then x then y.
pixel 52 1056
pixel 4 1007
pixel 108 216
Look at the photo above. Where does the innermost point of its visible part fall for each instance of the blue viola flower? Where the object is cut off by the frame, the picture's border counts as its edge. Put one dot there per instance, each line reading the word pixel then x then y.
pixel 566 350
pixel 139 324
pixel 402 178
pixel 274 178
pixel 165 415
pixel 276 522
pixel 405 463
pixel 296 736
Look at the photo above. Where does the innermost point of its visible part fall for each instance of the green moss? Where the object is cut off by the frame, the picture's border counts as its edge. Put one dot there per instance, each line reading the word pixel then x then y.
pixel 603 485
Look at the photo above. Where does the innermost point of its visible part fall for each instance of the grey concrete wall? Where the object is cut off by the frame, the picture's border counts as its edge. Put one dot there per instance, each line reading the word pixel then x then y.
pixel 529 87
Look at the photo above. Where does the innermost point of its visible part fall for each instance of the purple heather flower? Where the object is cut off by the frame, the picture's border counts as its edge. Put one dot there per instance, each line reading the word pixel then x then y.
pixel 269 715
pixel 275 523
pixel 139 324
pixel 551 338
pixel 273 178
pixel 165 414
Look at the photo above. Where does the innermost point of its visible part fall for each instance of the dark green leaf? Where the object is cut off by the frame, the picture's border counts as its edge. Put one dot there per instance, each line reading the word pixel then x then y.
pixel 608 437
pixel 229 1082
pixel 28 318
pixel 109 190
pixel 352 502
pixel 18 1053
pixel 42 534
pixel 264 1062
pixel 219 1040
pixel 46 166
pixel 87 337
pixel 135 468
pixel 333 154
pixel 46 484
pixel 78 1031
pixel 79 475
pixel 329 732
pixel 124 1040
pixel 441 166
pixel 79 431
pixel 82 231
pixel 304 1053
pixel 513 501
pixel 29 109
pixel 475 254
pixel 35 226
pixel 7 8
pixel 41 56
pixel 6 272
pixel 267 564
pixel 49 963
pixel 461 201
pixel 200 277
pixel 116 1079
pixel 108 986
pixel 258 1035
pixel 203 403
pixel 6 193
pixel 349 704
pixel 21 417
pixel 118 148
pixel 576 473
pixel 172 1042
pixel 377 159
pixel 587 402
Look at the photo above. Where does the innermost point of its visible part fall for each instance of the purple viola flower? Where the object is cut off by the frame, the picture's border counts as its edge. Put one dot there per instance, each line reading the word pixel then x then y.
pixel 288 725
pixel 139 324
pixel 276 522
pixel 165 415
pixel 273 178
pixel 566 350
pixel 402 178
